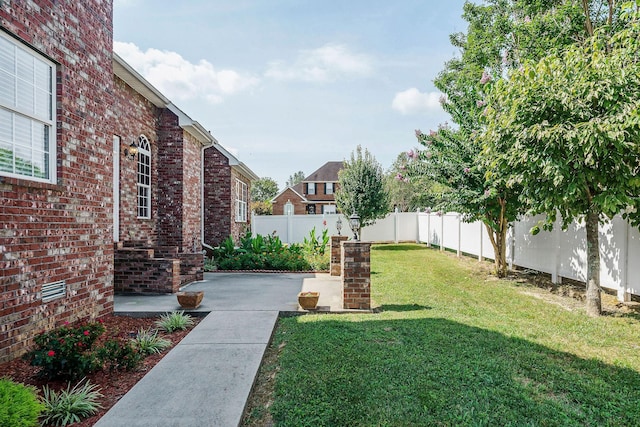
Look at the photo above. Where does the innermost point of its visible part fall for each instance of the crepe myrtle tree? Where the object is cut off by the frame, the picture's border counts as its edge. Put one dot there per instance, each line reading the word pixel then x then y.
pixel 361 188
pixel 567 130
pixel 449 157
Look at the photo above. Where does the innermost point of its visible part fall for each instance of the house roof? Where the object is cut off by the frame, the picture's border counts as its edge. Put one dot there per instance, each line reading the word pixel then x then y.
pixel 327 173
pixel 131 77
pixel 297 189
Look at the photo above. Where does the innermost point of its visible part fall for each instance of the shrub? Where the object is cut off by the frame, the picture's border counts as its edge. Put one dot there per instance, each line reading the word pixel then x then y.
pixel 318 262
pixel 148 342
pixel 66 352
pixel 116 355
pixel 175 321
pixel 70 405
pixel 20 404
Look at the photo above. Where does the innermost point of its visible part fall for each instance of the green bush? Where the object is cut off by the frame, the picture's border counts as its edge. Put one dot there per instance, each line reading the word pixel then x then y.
pixel 174 321
pixel 71 405
pixel 116 355
pixel 20 406
pixel 66 352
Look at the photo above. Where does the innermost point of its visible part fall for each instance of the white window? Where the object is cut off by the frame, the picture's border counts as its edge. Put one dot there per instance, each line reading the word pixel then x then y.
pixel 144 177
pixel 328 209
pixel 311 188
pixel 328 188
pixel 27 125
pixel 241 201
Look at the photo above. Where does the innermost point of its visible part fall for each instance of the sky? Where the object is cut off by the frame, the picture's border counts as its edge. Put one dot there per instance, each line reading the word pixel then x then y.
pixel 288 85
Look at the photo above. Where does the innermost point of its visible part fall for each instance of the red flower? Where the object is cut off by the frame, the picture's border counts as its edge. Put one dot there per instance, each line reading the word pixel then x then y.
pixel 86 333
pixel 51 353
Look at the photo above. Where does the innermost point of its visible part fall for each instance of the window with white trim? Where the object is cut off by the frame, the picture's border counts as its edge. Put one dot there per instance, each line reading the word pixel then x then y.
pixel 311 188
pixel 242 199
pixel 328 188
pixel 144 178
pixel 27 124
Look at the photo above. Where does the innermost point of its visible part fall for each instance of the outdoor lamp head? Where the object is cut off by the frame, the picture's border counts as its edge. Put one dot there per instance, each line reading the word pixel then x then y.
pixel 339 225
pixel 354 222
pixel 131 151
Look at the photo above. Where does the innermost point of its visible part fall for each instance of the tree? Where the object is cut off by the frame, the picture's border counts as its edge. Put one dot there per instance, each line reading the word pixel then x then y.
pixel 264 190
pixel 567 131
pixel 361 188
pixel 294 179
pixel 410 194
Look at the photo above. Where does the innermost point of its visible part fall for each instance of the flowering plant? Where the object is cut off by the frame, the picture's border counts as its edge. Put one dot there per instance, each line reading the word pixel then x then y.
pixel 66 352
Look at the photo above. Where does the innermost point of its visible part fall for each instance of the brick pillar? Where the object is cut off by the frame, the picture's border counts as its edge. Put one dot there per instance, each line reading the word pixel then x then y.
pixel 356 275
pixel 336 251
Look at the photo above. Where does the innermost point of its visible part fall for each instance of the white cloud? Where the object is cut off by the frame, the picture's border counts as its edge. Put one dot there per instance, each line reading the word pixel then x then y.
pixel 323 64
pixel 412 101
pixel 179 79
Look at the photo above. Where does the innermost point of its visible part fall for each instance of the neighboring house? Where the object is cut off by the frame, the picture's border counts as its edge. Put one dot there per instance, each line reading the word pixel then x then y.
pixel 227 185
pixel 314 195
pixel 101 176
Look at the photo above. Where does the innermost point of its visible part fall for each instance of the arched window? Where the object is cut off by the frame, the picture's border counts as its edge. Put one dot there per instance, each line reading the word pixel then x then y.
pixel 144 177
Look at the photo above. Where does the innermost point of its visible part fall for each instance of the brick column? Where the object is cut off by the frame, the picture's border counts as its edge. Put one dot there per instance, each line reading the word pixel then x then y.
pixel 336 251
pixel 356 275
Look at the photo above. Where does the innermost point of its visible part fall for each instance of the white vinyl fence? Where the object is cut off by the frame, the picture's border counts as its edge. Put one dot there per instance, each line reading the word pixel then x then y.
pixel 558 253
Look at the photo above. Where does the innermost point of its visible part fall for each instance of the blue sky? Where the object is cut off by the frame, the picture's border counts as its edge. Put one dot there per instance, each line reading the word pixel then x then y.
pixel 288 85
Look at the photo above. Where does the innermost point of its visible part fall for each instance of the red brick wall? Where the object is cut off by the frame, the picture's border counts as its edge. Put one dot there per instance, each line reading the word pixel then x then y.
pixel 191 200
pixel 217 197
pixel 299 208
pixel 62 231
pixel 135 116
pixel 356 275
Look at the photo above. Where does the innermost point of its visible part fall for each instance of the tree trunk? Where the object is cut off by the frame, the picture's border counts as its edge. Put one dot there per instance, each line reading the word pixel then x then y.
pixel 594 302
pixel 499 242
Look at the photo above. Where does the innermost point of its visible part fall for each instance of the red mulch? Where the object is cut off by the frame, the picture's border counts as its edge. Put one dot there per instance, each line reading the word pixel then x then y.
pixel 113 385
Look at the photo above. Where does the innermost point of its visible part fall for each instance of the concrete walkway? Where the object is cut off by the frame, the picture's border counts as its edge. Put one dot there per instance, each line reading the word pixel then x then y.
pixel 206 379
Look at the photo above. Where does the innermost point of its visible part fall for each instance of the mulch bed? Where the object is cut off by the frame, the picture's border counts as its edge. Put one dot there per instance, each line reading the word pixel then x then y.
pixel 113 385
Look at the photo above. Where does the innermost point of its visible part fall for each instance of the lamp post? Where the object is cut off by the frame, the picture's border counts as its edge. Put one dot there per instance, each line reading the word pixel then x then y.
pixel 339 225
pixel 354 223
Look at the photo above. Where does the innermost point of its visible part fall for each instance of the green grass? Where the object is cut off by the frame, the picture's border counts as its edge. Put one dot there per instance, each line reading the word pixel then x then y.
pixel 454 346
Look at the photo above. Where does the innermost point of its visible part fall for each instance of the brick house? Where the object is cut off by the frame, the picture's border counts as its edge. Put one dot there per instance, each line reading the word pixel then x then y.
pixel 80 212
pixel 227 185
pixel 314 195
pixel 157 198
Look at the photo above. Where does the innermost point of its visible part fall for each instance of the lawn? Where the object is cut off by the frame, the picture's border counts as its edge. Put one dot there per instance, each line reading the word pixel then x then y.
pixel 454 346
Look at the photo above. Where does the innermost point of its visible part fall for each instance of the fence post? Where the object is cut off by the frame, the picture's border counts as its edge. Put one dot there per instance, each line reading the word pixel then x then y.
pixel 396 226
pixel 418 225
pixel 555 277
pixel 511 236
pixel 289 228
pixel 480 256
pixel 441 231
pixel 623 287
pixel 459 235
pixel 429 228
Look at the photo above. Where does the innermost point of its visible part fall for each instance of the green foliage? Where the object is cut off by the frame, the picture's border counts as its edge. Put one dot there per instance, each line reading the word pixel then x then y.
pixel 406 194
pixel 148 342
pixel 269 253
pixel 566 130
pixel 313 244
pixel 262 208
pixel 66 352
pixel 118 355
pixel 71 405
pixel 263 190
pixel 361 188
pixel 453 347
pixel 294 179
pixel 20 404
pixel 174 321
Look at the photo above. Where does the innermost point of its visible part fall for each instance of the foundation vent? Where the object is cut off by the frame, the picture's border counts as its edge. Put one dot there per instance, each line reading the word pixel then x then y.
pixel 54 290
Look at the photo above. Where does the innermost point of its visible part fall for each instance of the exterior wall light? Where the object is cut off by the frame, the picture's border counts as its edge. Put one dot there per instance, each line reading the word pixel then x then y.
pixel 131 151
pixel 354 223
pixel 339 225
